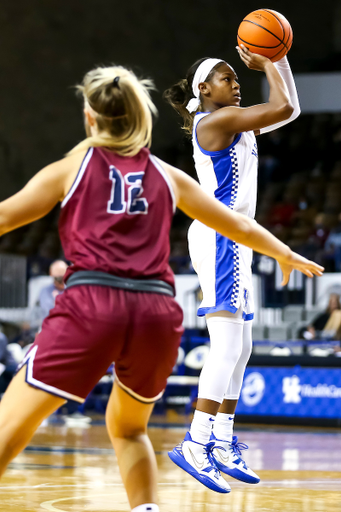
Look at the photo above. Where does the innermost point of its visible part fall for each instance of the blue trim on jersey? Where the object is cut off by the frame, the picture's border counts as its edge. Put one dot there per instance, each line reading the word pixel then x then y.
pixel 226 306
pixel 227 280
pixel 221 152
pixel 227 253
pixel 226 171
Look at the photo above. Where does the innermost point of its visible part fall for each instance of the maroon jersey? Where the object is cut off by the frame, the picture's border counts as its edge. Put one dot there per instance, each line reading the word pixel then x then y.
pixel 117 216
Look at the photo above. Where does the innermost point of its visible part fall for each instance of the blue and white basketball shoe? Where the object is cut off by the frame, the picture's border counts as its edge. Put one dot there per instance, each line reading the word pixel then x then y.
pixel 197 460
pixel 228 459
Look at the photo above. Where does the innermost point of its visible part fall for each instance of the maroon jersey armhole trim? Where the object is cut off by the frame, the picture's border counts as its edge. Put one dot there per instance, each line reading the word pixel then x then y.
pixel 79 176
pixel 161 170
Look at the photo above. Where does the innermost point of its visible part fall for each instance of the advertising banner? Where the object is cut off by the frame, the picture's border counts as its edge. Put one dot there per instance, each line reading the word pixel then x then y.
pixel 296 392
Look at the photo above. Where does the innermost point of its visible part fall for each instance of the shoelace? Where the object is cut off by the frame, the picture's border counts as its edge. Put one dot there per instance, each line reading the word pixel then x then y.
pixel 238 447
pixel 209 454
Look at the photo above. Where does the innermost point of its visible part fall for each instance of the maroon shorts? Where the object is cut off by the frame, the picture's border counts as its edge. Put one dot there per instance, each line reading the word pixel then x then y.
pixel 92 326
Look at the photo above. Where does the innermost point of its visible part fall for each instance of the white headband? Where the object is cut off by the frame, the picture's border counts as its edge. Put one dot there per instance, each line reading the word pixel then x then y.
pixel 200 76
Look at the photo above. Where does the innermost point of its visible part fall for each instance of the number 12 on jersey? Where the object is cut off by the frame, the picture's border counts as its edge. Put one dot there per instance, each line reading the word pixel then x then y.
pixel 135 204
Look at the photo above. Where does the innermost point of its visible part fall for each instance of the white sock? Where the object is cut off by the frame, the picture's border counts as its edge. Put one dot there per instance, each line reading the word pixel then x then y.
pixel 201 427
pixel 147 507
pixel 223 426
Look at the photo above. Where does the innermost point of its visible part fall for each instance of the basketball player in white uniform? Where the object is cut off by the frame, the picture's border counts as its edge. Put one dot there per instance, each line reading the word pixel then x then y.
pixel 226 161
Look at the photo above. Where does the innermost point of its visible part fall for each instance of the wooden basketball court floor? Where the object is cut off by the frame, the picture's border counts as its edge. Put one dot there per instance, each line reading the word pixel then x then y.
pixel 73 468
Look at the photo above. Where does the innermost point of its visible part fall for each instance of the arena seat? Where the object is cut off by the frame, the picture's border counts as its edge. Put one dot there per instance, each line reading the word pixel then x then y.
pixel 258 332
pixel 278 332
pixel 293 313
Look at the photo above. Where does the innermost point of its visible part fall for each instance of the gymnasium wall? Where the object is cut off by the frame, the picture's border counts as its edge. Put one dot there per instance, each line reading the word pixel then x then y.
pixel 47 46
pixel 319 93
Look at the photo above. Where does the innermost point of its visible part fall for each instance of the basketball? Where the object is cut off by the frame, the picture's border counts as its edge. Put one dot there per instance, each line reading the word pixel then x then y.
pixel 267 33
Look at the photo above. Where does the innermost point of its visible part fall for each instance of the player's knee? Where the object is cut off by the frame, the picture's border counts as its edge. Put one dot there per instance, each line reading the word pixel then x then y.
pixel 125 427
pixel 126 431
pixel 231 357
pixel 246 352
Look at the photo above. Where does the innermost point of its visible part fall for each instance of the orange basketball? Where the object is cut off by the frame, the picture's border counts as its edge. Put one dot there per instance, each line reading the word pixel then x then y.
pixel 266 32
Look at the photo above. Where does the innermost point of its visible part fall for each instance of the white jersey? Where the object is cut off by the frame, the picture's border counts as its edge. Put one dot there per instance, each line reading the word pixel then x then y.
pixel 223 266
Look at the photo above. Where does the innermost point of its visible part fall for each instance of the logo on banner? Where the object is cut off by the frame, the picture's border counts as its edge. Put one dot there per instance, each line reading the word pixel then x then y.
pixel 291 389
pixel 294 391
pixel 253 389
pixel 195 359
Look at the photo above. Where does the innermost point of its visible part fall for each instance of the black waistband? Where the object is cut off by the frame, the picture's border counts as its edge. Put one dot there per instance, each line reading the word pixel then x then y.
pixel 125 283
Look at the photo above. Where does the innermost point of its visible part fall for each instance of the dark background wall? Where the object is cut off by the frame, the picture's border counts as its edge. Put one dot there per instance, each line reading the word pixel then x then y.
pixel 47 46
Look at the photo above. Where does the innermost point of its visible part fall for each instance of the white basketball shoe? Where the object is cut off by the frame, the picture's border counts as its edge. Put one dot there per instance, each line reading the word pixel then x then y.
pixel 228 459
pixel 197 460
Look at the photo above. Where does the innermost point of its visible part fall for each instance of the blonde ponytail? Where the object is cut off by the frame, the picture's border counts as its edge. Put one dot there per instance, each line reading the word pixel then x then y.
pixel 122 107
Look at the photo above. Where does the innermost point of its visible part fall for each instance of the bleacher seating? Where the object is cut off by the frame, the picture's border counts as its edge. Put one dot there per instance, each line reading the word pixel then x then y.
pixel 259 332
pixel 278 332
pixel 293 313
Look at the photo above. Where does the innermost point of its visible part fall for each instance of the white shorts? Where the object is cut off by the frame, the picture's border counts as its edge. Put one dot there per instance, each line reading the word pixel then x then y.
pixel 224 271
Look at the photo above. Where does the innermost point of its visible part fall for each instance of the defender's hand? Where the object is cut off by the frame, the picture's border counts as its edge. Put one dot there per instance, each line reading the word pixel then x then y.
pixel 295 261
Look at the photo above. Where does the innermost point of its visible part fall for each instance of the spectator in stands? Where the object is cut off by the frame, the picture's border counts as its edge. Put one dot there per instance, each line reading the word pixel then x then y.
pixel 320 233
pixel 313 246
pixel 26 335
pixel 283 212
pixel 337 349
pixel 8 364
pixel 330 320
pixel 49 293
pixel 332 248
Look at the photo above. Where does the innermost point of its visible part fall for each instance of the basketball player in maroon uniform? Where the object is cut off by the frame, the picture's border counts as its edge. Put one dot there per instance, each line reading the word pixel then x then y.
pixel 117 202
